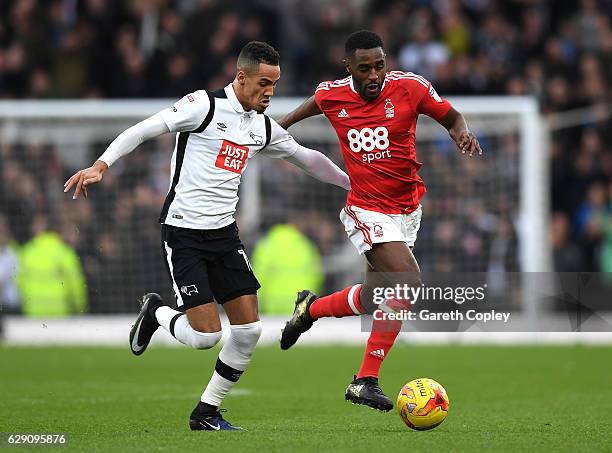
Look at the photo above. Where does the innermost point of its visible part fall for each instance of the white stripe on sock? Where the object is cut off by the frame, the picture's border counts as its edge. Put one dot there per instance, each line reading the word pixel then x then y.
pixel 351 296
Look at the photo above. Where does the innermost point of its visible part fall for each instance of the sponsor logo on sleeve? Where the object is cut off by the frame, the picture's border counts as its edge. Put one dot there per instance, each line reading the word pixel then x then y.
pixel 434 95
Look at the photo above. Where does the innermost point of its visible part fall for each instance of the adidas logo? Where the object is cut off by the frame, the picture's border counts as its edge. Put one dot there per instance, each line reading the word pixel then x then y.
pixel 356 389
pixel 380 353
pixel 343 114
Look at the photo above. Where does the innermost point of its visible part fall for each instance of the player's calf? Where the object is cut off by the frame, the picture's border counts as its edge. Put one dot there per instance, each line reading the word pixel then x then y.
pixel 233 360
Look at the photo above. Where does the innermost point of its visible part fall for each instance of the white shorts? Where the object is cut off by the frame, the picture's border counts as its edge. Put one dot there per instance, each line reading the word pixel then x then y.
pixel 365 228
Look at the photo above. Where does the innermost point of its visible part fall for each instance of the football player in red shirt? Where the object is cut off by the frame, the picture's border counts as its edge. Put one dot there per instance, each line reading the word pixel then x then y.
pixel 374 113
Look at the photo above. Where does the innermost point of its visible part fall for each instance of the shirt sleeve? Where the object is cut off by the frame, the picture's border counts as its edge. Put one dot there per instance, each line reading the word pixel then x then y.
pixel 432 105
pixel 188 113
pixel 282 144
pixel 319 166
pixel 129 139
pixel 319 94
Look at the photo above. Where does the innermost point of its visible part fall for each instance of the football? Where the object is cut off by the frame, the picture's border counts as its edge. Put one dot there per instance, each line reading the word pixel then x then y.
pixel 422 404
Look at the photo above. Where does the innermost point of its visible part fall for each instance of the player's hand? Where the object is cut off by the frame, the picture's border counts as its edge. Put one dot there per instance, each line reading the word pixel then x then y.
pixel 468 143
pixel 82 178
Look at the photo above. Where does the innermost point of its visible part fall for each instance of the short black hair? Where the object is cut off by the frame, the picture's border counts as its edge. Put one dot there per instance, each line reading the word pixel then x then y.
pixel 254 53
pixel 362 39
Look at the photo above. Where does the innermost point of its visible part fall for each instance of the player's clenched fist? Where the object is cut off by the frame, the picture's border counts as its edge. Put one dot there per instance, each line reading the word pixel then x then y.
pixel 82 178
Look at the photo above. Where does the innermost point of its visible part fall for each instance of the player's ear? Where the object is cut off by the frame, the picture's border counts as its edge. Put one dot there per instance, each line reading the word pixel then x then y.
pixel 241 77
pixel 347 65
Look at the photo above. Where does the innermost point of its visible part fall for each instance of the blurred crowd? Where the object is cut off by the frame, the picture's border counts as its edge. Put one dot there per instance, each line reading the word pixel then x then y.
pixel 113 233
pixel 111 240
pixel 560 52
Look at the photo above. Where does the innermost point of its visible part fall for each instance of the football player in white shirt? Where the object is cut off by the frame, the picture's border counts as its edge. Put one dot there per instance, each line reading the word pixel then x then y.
pixel 217 132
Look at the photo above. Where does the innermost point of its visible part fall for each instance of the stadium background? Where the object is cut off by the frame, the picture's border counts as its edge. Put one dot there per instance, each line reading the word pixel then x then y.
pixel 74 374
pixel 558 52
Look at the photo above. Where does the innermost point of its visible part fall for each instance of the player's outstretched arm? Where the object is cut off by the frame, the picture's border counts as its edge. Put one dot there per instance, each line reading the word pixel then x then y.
pixel 307 109
pixel 283 146
pixel 457 128
pixel 319 166
pixel 124 144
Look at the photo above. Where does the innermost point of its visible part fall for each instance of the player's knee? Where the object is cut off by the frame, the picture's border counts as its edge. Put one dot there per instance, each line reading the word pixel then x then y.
pixel 246 336
pixel 205 340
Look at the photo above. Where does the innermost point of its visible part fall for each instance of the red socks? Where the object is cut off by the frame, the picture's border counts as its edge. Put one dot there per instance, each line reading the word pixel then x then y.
pixel 383 335
pixel 384 332
pixel 340 304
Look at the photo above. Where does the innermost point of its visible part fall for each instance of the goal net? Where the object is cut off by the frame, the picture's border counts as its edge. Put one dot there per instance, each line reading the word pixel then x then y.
pixel 482 214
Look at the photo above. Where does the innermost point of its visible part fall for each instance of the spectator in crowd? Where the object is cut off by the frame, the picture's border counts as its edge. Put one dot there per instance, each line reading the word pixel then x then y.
pixel 50 278
pixel 567 256
pixel 286 262
pixel 422 51
pixel 606 246
pixel 9 294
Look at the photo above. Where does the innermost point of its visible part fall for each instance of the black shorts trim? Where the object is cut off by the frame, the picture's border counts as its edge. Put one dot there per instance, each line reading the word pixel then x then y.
pixel 238 293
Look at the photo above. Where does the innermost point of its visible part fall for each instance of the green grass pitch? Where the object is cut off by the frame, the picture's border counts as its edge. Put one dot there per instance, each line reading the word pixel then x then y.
pixel 501 399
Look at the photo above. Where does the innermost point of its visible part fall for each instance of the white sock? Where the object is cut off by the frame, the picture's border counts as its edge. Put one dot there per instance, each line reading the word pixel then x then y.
pixel 234 358
pixel 178 325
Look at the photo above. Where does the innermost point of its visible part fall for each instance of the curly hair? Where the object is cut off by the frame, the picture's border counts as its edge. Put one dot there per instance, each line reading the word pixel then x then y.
pixel 362 39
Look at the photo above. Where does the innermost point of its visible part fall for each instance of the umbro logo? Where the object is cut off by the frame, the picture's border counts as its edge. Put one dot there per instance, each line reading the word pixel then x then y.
pixel 380 353
pixel 221 127
pixel 343 114
pixel 189 290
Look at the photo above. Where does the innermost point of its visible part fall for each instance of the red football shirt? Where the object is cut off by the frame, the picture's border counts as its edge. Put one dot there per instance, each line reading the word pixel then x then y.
pixel 377 138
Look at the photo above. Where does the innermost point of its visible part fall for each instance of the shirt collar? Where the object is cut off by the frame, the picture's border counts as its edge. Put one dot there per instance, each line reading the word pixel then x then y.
pixel 233 99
